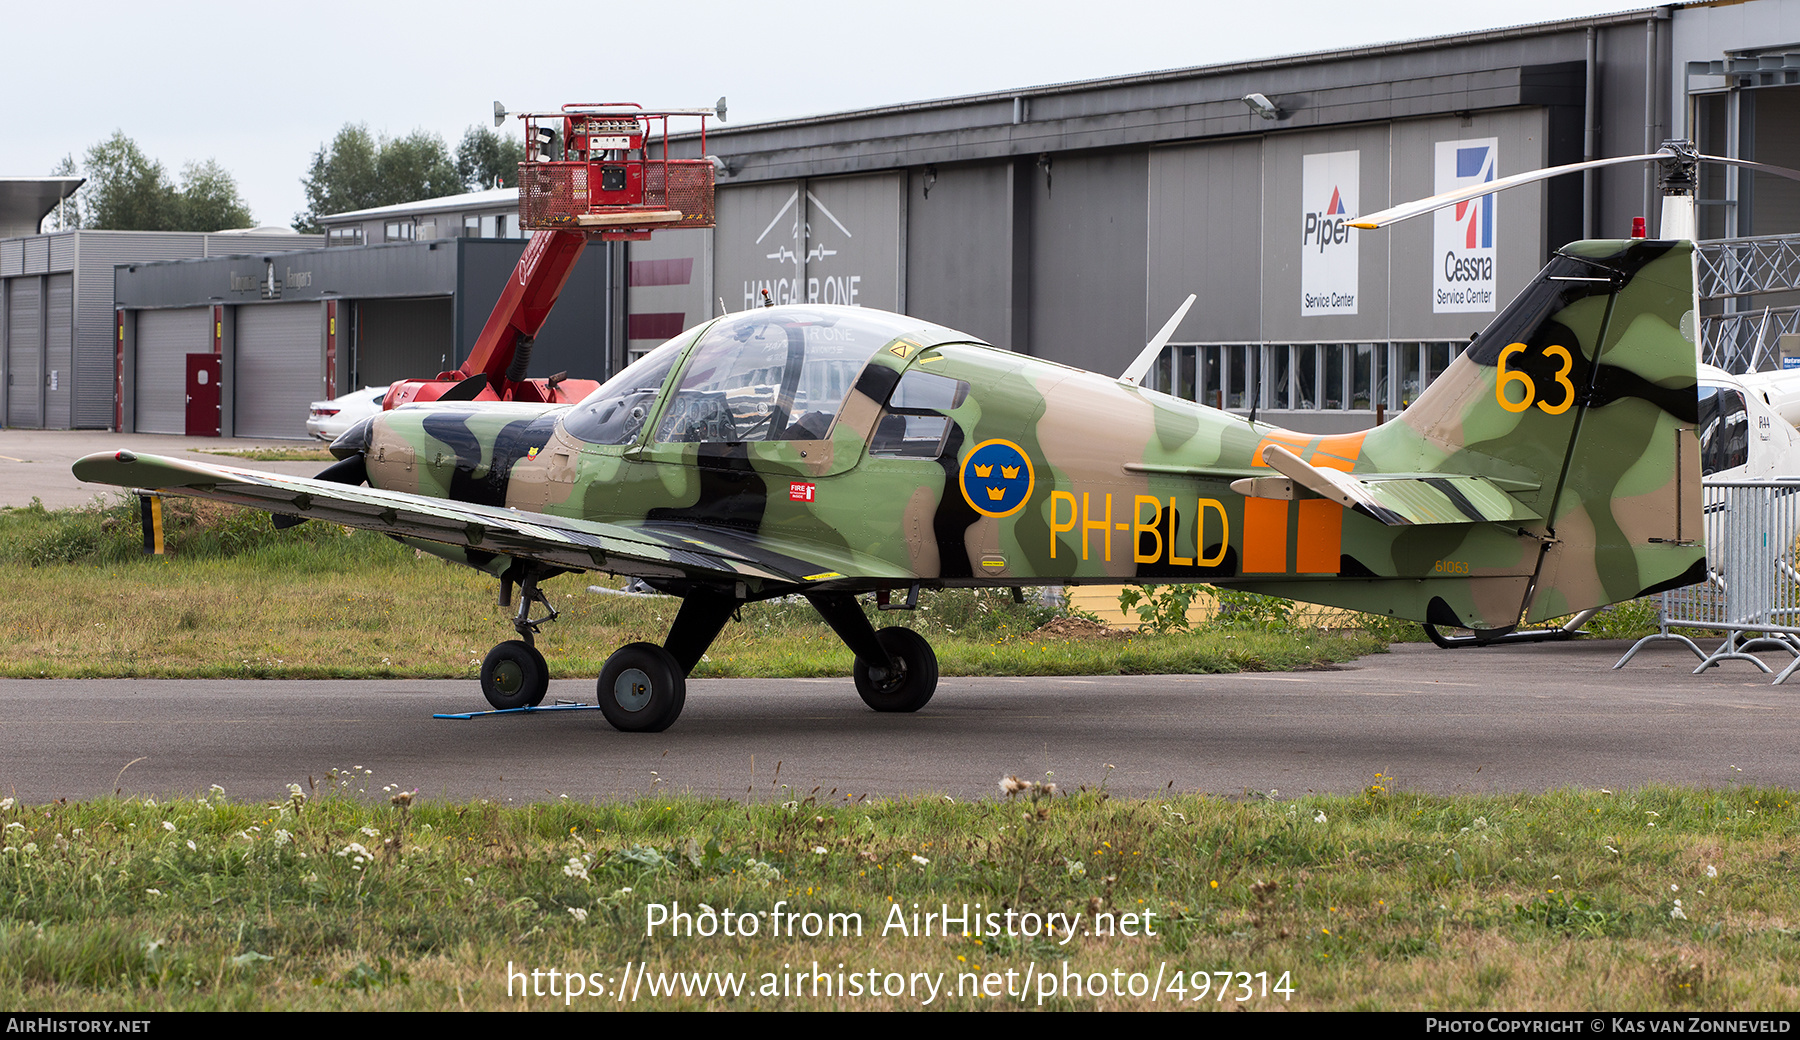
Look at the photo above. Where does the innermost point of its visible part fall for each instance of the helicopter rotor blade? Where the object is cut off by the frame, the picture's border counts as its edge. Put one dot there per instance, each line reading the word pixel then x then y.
pixel 1420 207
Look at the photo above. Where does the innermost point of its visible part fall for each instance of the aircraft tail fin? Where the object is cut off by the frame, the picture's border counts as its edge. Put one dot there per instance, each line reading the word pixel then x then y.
pixel 1551 468
pixel 1580 397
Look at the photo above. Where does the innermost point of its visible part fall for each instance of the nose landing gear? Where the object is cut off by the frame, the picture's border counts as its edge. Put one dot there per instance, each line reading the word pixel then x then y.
pixel 514 674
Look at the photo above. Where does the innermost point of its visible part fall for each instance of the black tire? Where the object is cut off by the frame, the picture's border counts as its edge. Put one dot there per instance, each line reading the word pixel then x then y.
pixel 642 689
pixel 909 686
pixel 514 675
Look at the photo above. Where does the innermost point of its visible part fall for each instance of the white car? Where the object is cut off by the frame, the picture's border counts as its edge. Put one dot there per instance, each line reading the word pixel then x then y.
pixel 328 419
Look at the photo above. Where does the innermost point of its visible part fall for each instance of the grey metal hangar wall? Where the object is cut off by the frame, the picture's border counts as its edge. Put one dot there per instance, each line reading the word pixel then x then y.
pixel 1078 256
pixel 57 330
pixel 291 328
pixel 1069 220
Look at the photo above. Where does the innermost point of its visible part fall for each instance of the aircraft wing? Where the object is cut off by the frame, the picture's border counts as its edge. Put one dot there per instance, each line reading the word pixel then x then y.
pixel 671 550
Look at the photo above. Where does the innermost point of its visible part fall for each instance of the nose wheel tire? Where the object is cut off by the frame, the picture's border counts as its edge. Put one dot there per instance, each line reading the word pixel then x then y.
pixel 909 684
pixel 514 675
pixel 642 689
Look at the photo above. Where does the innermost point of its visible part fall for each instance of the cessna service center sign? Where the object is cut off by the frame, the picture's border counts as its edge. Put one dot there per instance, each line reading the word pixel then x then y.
pixel 1328 193
pixel 1462 255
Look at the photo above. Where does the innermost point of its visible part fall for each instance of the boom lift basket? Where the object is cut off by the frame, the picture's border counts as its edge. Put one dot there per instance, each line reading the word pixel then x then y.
pixel 591 168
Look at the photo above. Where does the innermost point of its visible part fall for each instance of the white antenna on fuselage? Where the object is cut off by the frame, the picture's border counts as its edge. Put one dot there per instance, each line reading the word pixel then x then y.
pixel 1134 373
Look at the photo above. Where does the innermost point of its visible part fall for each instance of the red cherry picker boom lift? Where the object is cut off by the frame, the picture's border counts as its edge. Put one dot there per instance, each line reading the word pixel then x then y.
pixel 589 172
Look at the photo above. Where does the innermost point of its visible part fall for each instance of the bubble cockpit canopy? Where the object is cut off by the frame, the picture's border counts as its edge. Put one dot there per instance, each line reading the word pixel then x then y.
pixel 766 374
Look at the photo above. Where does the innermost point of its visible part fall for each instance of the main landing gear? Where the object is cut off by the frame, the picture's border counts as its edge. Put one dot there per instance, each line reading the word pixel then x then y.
pixel 643 687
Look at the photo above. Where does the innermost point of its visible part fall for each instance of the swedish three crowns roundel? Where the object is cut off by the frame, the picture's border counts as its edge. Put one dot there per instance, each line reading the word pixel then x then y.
pixel 997 478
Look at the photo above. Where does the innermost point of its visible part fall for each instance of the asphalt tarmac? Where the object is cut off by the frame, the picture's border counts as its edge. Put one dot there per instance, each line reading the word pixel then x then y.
pixel 35 463
pixel 1504 719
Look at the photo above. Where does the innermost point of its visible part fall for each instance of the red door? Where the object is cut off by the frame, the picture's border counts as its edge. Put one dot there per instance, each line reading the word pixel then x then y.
pixel 203 372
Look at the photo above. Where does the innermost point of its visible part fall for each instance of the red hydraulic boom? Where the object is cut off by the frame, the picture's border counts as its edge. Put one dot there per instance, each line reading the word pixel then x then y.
pixel 588 173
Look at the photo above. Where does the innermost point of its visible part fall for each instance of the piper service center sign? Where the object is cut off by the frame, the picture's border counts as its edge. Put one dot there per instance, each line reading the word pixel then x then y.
pixel 1463 235
pixel 1328 199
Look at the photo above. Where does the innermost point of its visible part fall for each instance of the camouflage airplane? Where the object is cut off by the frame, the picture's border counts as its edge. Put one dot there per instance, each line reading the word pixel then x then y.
pixel 832 452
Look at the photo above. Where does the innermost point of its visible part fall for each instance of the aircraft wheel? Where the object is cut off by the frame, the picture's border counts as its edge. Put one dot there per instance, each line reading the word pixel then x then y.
pixel 642 689
pixel 514 675
pixel 912 681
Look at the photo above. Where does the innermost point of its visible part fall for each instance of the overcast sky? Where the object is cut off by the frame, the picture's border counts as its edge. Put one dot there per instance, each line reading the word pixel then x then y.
pixel 261 87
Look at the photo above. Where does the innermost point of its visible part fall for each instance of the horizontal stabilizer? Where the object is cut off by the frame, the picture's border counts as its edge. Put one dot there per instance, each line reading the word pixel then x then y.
pixel 1394 499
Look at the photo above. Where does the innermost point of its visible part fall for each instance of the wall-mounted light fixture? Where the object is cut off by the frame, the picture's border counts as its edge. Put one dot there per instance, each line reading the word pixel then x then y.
pixel 1262 106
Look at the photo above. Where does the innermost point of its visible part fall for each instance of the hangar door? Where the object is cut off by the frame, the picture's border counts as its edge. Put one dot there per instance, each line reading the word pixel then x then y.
pixel 402 339
pixel 164 340
pixel 24 371
pixel 280 368
pixel 59 352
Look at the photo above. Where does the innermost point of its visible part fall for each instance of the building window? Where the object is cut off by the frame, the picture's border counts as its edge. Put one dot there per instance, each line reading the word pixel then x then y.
pixel 398 231
pixel 344 236
pixel 472 226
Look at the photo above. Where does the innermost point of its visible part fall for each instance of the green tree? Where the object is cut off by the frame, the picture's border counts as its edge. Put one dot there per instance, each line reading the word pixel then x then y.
pixel 127 190
pixel 485 158
pixel 210 199
pixel 358 170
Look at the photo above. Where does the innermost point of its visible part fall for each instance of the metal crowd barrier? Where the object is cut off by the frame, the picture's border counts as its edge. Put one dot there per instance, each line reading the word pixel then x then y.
pixel 1752 590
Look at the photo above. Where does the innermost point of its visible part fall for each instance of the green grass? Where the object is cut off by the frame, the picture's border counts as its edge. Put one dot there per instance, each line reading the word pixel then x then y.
pixel 1384 900
pixel 234 598
pixel 316 453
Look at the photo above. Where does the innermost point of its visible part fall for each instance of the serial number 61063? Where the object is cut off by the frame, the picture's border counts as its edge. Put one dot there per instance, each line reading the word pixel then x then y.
pixel 1452 567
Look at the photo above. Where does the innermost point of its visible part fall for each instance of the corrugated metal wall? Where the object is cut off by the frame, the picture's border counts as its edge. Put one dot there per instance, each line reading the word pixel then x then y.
pixel 59 350
pixel 164 340
pixel 24 341
pixel 280 367
pixel 401 339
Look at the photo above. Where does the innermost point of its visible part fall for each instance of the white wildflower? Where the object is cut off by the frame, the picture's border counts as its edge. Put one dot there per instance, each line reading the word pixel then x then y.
pixel 216 791
pixel 578 914
pixel 819 850
pixel 1712 871
pixel 192 847
pixel 356 854
pixel 282 837
pixel 575 868
pixel 1076 868
pixel 1319 817
pixel 5 804
pixel 1676 914
pixel 167 826
pixel 371 832
pixel 921 860
pixel 154 891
